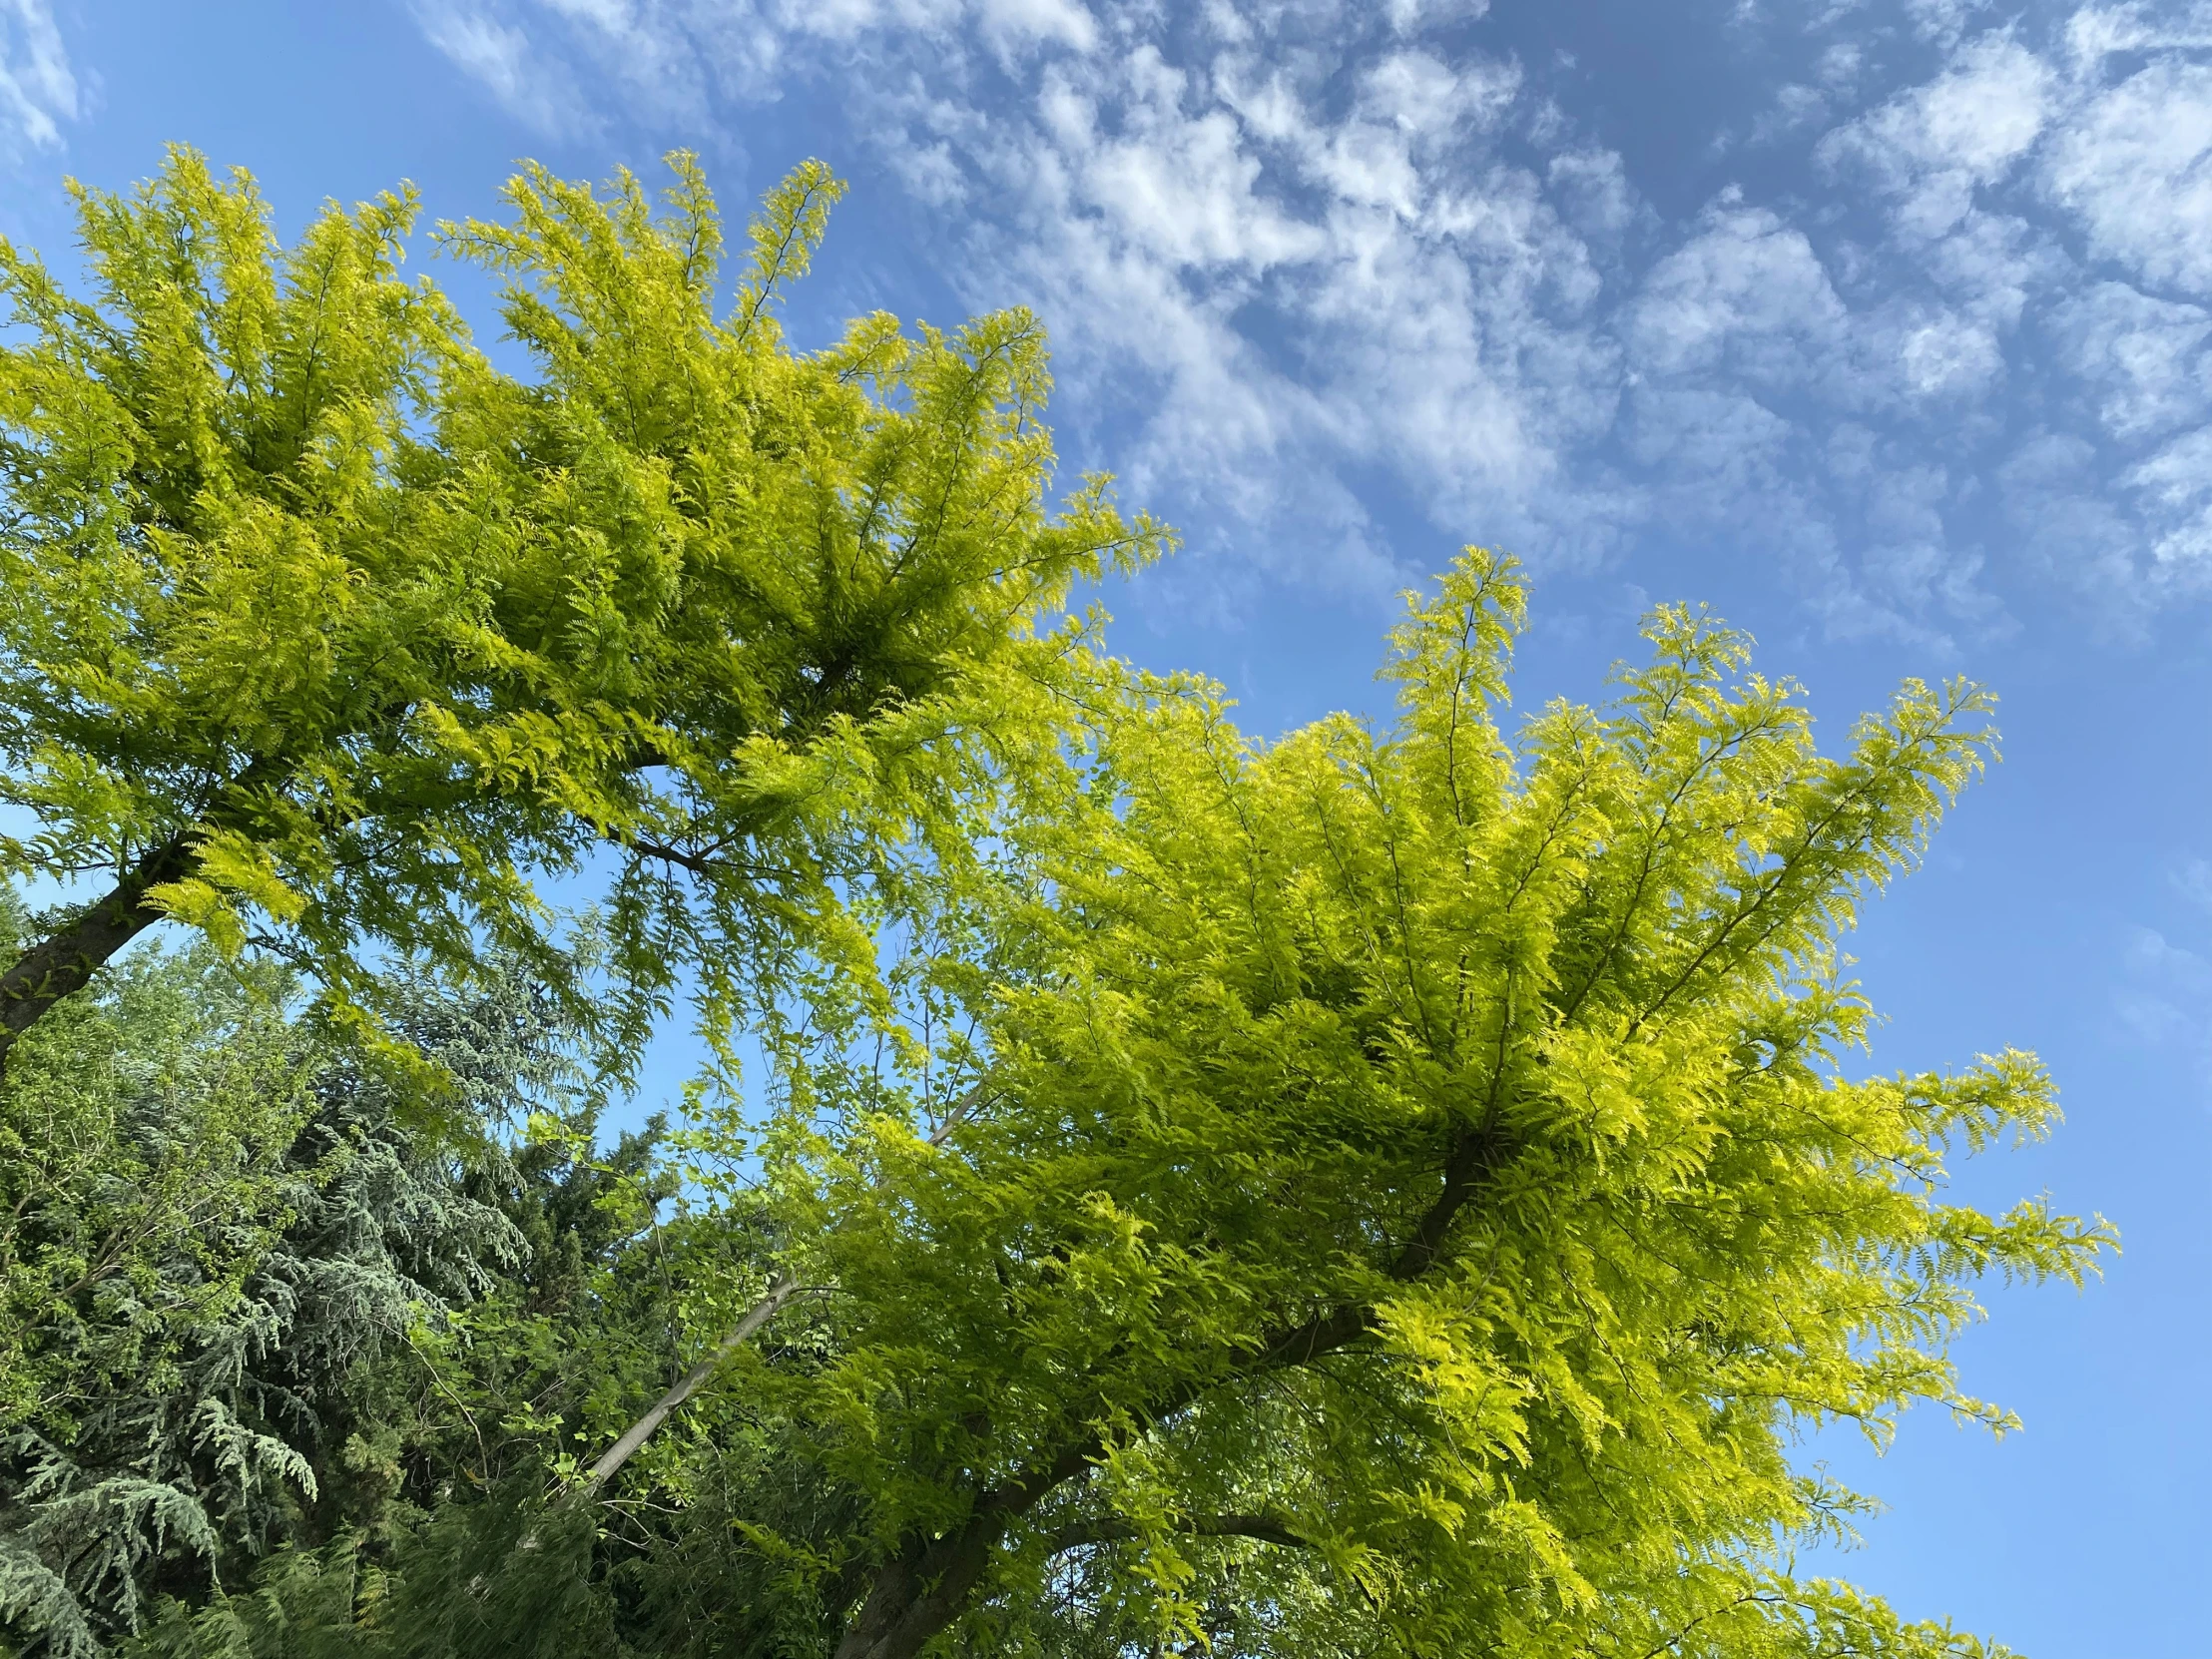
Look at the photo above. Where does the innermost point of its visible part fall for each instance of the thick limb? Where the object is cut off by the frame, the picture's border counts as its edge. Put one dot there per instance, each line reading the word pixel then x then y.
pixel 65 960
pixel 920 1591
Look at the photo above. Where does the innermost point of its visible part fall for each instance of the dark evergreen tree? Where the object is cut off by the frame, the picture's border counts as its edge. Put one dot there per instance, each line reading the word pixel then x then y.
pixel 262 1293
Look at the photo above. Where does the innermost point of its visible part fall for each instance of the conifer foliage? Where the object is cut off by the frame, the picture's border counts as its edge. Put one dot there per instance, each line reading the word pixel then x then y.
pixel 1386 1191
pixel 1417 1189
pixel 235 1278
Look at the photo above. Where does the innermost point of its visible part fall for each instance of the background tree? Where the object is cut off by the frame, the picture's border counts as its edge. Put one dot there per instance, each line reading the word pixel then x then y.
pixel 143 1176
pixel 253 1301
pixel 317 629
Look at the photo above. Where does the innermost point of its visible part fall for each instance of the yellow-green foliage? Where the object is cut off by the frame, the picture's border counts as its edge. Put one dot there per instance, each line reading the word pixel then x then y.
pixel 317 628
pixel 1416 1188
pixel 1382 1193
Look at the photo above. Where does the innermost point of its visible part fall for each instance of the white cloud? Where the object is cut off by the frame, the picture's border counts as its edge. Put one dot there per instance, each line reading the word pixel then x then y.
pixel 1950 355
pixel 1746 295
pixel 1300 290
pixel 1315 269
pixel 1933 146
pixel 2193 881
pixel 38 90
pixel 1408 15
pixel 2095 33
pixel 1820 417
pixel 1179 187
pixel 2135 167
pixel 534 87
pixel 1795 106
pixel 2165 993
pixel 1280 276
pixel 1729 442
pixel 1023 21
pixel 1943 20
pixel 1840 65
pixel 2176 483
pixel 2056 505
pixel 1593 193
pixel 2143 358
pixel 1993 266
pixel 2165 996
pixel 2108 121
pixel 664 59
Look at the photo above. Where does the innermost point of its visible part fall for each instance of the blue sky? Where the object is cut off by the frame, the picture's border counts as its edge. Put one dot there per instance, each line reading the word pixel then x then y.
pixel 1884 325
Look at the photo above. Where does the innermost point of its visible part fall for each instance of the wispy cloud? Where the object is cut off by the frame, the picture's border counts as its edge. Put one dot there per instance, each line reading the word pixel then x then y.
pixel 1341 276
pixel 38 90
pixel 2165 992
pixel 1933 145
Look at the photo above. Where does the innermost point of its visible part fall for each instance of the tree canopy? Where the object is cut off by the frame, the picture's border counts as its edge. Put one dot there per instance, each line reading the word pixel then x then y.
pixel 231 1276
pixel 1411 1195
pixel 1390 1191
pixel 320 629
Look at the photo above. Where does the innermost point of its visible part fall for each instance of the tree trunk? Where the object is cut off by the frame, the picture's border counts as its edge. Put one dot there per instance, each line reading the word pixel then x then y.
pixel 927 1585
pixel 65 961
pixel 920 1591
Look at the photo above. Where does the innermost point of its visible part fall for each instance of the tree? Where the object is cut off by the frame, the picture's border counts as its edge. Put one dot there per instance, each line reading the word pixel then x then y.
pixel 1379 1193
pixel 1416 1167
pixel 319 631
pixel 143 1176
pixel 251 1300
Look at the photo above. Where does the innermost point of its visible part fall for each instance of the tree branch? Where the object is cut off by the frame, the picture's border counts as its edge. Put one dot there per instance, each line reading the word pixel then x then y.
pixel 778 1292
pixel 1268 1530
pixel 927 1585
pixel 65 961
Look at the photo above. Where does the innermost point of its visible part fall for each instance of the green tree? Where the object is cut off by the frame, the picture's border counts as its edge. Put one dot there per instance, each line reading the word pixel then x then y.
pixel 143 1177
pixel 1414 1191
pixel 317 630
pixel 1379 1193
pixel 247 1300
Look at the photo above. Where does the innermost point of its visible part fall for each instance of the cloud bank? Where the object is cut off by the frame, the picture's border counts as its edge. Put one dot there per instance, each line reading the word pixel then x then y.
pixel 1336 284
